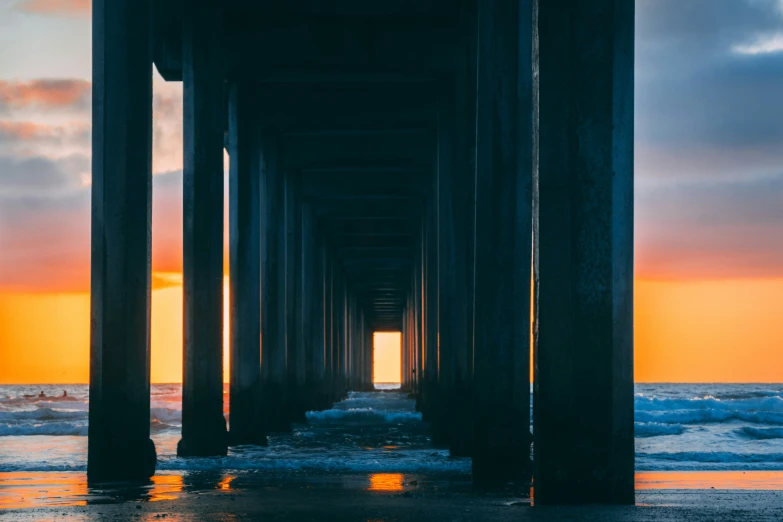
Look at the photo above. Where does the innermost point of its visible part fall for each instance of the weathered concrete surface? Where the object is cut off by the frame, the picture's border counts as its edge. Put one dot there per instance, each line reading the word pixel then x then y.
pixel 447 313
pixel 119 446
pixel 503 243
pixel 585 253
pixel 295 343
pixel 463 194
pixel 245 269
pixel 429 390
pixel 203 424
pixel 274 376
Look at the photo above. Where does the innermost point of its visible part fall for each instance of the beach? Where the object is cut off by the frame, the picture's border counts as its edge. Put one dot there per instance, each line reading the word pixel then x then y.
pixel 703 452
pixel 365 497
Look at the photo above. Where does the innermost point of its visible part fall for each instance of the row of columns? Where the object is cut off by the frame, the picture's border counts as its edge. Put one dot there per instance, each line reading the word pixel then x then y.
pixel 298 339
pixel 313 339
pixel 532 196
pixel 527 245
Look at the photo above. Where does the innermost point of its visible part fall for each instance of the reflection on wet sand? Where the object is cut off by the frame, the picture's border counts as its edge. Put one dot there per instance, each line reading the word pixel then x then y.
pixel 758 480
pixel 386 482
pixel 35 489
pixel 30 489
pixel 225 484
pixel 165 487
pixel 19 490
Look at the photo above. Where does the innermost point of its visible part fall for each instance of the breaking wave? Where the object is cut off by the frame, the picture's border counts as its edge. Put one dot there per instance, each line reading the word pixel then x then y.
pixel 363 415
pixel 760 433
pixel 48 428
pixel 654 429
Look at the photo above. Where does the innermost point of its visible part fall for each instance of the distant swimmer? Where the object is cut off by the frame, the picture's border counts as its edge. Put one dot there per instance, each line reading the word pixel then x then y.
pixel 42 394
pixel 65 393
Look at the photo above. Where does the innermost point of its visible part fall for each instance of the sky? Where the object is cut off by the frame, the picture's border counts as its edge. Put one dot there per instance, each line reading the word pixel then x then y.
pixel 709 194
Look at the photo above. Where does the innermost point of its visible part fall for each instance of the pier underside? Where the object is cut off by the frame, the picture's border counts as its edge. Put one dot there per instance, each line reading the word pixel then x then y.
pixel 458 171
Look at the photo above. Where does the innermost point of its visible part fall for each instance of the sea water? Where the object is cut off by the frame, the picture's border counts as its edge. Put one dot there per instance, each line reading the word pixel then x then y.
pixel 689 427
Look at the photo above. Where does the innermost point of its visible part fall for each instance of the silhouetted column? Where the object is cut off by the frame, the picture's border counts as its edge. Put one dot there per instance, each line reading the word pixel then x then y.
pixel 203 424
pixel 585 253
pixel 119 446
pixel 312 304
pixel 244 204
pixel 323 329
pixel 418 322
pixel 341 337
pixel 406 332
pixel 365 354
pixel 430 391
pixel 273 348
pixel 503 243
pixel 293 283
pixel 448 319
pixel 404 360
pixel 351 346
pixel 370 356
pixel 331 300
pixel 463 191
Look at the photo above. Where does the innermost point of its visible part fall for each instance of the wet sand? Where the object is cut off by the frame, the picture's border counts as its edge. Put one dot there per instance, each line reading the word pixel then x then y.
pixel 365 497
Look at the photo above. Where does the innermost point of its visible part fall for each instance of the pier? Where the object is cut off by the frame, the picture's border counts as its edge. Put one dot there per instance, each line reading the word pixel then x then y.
pixel 459 171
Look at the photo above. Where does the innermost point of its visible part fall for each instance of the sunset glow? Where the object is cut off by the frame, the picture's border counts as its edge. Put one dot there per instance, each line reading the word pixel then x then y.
pixel 708 253
pixel 386 357
pixel 684 332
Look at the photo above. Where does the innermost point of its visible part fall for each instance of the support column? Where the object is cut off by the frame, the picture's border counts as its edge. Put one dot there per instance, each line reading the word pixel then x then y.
pixel 447 409
pixel 431 312
pixel 404 361
pixel 464 179
pixel 246 423
pixel 418 323
pixel 585 253
pixel 203 424
pixel 323 329
pixel 273 353
pixel 312 303
pixel 119 445
pixel 503 243
pixel 331 300
pixel 341 336
pixel 293 288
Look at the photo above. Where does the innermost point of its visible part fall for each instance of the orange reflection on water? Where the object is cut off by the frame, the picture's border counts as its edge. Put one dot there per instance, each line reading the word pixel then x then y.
pixel 165 487
pixel 386 482
pixel 225 484
pixel 760 480
pixel 33 489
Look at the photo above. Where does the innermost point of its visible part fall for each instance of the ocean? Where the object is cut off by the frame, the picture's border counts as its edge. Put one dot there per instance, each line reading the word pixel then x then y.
pixel 678 427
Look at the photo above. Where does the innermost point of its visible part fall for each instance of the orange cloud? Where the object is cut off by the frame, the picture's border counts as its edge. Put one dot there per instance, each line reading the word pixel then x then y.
pixel 27 132
pixel 56 7
pixel 47 93
pixel 24 130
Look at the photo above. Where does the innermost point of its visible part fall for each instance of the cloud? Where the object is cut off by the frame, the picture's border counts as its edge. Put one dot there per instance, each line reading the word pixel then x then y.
pixel 56 7
pixel 45 238
pixel 709 128
pixel 45 242
pixel 41 176
pixel 711 229
pixel 30 134
pixel 161 280
pixel 45 94
pixel 167 135
pixel 691 84
pixel 762 45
